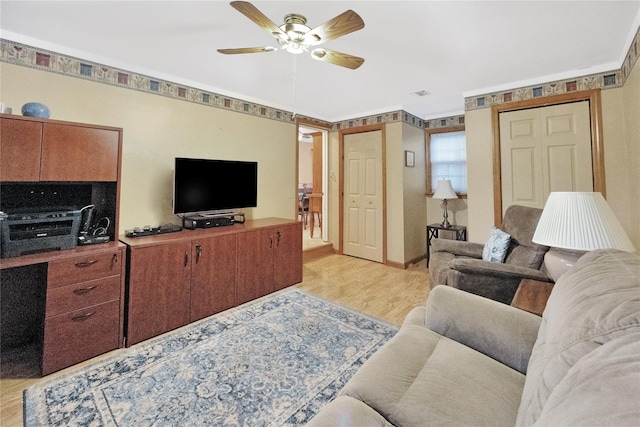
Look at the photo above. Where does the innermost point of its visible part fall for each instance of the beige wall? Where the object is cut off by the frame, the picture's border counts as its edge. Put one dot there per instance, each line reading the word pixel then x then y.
pixel 631 105
pixel 158 129
pixel 621 129
pixel 305 161
pixel 479 174
pixel 414 199
pixel 621 139
pixel 395 196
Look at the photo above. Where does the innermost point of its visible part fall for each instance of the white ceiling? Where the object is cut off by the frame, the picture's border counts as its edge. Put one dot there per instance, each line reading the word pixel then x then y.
pixel 451 49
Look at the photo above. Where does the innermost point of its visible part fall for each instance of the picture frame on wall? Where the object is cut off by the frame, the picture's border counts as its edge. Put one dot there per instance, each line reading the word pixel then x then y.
pixel 409 159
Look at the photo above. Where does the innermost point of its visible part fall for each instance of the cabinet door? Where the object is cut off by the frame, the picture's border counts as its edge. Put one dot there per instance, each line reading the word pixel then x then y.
pixel 255 264
pixel 159 294
pixel 76 153
pixel 287 257
pixel 19 150
pixel 213 275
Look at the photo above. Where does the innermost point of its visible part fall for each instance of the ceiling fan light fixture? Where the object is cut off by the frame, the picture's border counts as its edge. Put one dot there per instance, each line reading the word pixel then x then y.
pixel 318 54
pixel 295 47
pixel 296 37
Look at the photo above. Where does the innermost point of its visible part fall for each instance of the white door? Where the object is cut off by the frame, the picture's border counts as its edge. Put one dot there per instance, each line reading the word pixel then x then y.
pixel 543 150
pixel 363 201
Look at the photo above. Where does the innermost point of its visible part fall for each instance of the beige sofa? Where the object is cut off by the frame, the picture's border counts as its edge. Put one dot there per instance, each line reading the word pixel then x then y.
pixel 468 360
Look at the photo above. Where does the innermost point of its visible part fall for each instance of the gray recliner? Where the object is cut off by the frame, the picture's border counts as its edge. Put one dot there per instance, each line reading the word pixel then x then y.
pixel 460 265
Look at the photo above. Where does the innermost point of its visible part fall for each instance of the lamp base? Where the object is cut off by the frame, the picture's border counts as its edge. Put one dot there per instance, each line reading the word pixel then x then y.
pixel 445 216
pixel 558 261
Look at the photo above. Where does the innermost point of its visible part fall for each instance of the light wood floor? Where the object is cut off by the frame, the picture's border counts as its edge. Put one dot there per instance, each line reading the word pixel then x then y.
pixel 385 292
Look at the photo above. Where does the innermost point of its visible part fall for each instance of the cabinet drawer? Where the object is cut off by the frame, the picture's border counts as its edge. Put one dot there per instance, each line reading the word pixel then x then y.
pixel 74 297
pixel 82 269
pixel 79 335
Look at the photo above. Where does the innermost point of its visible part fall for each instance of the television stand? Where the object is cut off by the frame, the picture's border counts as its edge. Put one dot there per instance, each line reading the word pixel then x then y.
pixel 210 220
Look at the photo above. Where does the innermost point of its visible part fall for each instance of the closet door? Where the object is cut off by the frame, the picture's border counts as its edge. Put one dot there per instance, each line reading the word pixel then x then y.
pixel 544 150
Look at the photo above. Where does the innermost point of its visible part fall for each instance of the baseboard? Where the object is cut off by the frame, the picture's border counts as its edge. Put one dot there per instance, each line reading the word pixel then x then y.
pixel 312 254
pixel 405 265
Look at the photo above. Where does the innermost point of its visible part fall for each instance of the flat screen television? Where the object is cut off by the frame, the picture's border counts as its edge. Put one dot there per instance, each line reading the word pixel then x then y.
pixel 204 185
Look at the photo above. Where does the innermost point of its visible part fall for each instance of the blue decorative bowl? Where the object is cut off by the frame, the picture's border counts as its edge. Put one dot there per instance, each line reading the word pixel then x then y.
pixel 36 109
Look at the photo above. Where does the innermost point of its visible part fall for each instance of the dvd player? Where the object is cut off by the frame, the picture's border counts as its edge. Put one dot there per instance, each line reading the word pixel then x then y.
pixel 199 221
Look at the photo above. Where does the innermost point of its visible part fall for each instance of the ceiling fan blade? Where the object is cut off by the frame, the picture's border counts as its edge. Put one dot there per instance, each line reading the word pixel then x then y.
pixel 337 58
pixel 252 12
pixel 247 50
pixel 345 23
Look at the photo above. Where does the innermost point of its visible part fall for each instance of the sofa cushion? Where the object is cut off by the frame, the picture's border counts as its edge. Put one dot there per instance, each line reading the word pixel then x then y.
pixel 595 302
pixel 602 388
pixel 496 247
pixel 420 378
pixel 521 222
pixel 346 411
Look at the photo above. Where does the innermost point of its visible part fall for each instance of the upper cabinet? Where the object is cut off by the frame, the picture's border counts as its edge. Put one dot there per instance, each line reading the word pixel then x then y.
pixel 20 150
pixel 33 150
pixel 58 165
pixel 78 153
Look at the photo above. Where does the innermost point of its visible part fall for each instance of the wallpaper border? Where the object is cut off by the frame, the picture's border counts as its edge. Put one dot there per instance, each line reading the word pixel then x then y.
pixel 29 56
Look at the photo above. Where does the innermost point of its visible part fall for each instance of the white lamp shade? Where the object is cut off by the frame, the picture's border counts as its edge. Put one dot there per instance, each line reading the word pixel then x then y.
pixel 580 221
pixel 444 190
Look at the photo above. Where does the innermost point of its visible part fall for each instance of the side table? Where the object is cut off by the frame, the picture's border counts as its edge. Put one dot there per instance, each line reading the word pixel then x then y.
pixel 532 296
pixel 434 229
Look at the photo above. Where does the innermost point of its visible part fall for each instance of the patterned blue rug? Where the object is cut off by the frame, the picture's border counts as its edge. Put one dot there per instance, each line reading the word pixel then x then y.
pixel 271 362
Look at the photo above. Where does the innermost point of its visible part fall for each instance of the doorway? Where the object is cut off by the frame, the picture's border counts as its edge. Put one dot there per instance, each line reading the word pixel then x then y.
pixel 311 196
pixel 363 201
pixel 374 234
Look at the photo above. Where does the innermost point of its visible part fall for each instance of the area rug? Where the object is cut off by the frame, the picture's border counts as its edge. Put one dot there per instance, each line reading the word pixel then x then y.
pixel 271 362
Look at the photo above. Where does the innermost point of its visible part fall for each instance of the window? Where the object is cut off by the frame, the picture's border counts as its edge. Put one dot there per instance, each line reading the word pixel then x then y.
pixel 447 158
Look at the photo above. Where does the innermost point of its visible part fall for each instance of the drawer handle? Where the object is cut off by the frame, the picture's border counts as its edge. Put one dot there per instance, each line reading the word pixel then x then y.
pixel 83 317
pixel 86 263
pixel 84 290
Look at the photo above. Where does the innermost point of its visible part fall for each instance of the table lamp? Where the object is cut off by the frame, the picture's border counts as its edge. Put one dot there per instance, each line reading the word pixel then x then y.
pixel 573 223
pixel 444 191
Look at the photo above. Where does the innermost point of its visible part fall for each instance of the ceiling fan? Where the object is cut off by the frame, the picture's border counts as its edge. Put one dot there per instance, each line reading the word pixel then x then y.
pixel 295 37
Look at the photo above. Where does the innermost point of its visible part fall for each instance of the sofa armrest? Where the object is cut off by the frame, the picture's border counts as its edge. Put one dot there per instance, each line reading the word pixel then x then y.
pixel 457 247
pixel 502 332
pixel 497 269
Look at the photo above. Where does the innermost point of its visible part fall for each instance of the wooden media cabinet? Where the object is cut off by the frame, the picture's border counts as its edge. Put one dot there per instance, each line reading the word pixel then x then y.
pixel 177 278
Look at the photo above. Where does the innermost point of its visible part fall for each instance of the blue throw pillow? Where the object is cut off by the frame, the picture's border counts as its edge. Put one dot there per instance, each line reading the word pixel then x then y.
pixel 496 247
